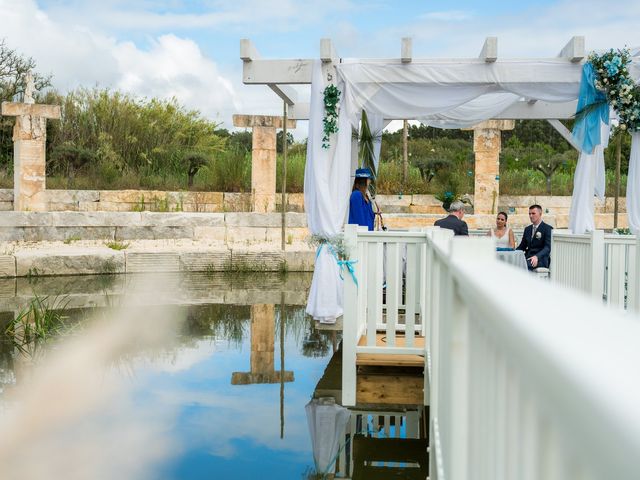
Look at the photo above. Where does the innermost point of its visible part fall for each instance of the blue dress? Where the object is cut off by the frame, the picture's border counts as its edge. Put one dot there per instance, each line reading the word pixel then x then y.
pixel 360 211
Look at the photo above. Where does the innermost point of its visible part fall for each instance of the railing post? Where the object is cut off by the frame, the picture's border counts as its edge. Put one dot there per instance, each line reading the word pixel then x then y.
pixel 349 322
pixel 597 264
pixel 633 288
pixel 463 251
pixel 553 272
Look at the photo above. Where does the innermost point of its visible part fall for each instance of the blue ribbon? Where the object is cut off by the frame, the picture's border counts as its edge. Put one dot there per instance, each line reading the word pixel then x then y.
pixel 341 263
pixel 349 265
pixel 586 130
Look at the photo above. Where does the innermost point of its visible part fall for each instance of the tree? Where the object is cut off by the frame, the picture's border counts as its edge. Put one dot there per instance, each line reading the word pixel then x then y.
pixel 279 140
pixel 13 71
pixel 545 159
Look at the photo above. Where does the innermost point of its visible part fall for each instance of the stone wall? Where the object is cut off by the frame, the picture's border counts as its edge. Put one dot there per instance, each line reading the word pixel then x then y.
pixel 218 202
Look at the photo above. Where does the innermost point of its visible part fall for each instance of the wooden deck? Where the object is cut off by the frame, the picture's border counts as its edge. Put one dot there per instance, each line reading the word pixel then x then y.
pixel 381 359
pixel 374 386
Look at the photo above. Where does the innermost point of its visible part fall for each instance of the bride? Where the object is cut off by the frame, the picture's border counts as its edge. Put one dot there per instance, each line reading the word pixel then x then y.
pixel 503 234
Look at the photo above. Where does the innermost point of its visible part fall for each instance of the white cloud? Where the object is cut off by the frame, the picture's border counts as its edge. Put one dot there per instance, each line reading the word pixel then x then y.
pixel 448 15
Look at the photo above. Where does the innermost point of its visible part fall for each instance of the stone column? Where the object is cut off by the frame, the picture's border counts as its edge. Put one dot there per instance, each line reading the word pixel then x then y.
pixel 263 158
pixel 29 142
pixel 487 146
pixel 263 334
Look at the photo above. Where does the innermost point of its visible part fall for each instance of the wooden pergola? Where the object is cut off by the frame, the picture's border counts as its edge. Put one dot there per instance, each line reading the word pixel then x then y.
pixel 280 74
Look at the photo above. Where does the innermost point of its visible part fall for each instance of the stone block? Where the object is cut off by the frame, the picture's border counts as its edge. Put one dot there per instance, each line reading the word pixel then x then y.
pixel 207 261
pixel 88 206
pixel 249 121
pixel 6 195
pixel 246 235
pixel 263 202
pixel 129 196
pixel 68 263
pixel 295 202
pixel 62 207
pixel 97 219
pixel 257 260
pixel 237 202
pixel 394 200
pixel 253 219
pixel 7 266
pixel 73 196
pixel 146 262
pixel 428 209
pixel 300 261
pixel 429 200
pixel 212 234
pixel 153 232
pixel 6 206
pixel 182 219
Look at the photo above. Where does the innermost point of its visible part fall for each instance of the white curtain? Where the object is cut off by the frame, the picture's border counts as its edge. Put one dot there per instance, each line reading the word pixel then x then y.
pixel 327 422
pixel 376 125
pixel 327 183
pixel 633 185
pixel 588 180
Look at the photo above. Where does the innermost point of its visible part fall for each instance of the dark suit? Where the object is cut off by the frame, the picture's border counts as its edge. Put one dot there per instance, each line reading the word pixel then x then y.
pixel 539 246
pixel 452 222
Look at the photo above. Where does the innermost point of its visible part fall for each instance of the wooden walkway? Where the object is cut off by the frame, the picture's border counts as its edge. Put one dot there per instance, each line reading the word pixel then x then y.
pixel 390 360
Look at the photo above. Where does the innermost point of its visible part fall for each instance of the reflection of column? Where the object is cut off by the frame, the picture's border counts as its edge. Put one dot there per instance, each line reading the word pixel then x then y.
pixel 263 326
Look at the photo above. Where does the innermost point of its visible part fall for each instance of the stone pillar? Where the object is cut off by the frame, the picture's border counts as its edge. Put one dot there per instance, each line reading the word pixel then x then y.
pixel 487 146
pixel 263 158
pixel 263 334
pixel 29 142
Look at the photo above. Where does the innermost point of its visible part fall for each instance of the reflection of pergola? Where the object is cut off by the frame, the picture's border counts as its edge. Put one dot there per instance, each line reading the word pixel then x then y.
pixel 279 74
pixel 263 329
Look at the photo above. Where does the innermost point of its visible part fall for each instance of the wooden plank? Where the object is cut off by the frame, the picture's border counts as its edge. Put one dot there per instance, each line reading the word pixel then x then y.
pixel 390 359
pixel 389 389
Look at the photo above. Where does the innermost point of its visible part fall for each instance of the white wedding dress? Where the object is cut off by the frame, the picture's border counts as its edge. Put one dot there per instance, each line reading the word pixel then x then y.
pixel 503 241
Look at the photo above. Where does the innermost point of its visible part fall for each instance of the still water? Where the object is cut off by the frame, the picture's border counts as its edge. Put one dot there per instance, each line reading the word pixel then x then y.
pixel 211 380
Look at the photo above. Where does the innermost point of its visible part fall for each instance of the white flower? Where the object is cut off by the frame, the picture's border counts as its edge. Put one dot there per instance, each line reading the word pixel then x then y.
pixel 538 235
pixel 623 126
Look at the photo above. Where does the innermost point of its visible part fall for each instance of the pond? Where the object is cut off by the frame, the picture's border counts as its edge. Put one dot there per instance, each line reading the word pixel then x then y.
pixel 167 377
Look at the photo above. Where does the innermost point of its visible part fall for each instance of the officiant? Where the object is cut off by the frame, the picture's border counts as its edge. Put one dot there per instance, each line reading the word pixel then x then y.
pixel 536 240
pixel 360 205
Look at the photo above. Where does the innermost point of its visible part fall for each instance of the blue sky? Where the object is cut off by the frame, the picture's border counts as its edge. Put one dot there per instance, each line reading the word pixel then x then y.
pixel 189 49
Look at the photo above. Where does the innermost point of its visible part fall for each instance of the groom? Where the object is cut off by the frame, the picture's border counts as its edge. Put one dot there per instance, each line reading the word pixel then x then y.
pixel 536 240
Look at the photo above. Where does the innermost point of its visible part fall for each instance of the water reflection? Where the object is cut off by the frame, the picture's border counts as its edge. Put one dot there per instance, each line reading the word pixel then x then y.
pixel 156 385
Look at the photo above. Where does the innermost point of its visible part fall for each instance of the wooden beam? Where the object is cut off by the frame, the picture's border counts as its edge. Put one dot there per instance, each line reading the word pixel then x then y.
pixel 406 48
pixel 520 111
pixel 327 51
pixel 248 51
pixel 564 131
pixel 285 92
pixel 573 50
pixel 489 52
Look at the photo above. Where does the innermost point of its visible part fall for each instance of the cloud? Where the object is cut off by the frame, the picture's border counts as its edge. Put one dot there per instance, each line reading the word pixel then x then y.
pixel 448 16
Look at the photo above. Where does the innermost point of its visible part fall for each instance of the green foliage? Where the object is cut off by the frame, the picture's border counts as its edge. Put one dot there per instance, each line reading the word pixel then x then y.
pixel 295 173
pixel 331 97
pixel 37 323
pixel 117 245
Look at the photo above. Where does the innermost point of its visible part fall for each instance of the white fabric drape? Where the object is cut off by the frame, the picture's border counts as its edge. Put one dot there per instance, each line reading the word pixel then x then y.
pixel 327 422
pixel 439 91
pixel 588 180
pixel 376 125
pixel 633 185
pixel 327 182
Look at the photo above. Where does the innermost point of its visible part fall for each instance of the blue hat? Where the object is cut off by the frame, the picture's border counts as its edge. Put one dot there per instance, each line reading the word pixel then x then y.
pixel 363 173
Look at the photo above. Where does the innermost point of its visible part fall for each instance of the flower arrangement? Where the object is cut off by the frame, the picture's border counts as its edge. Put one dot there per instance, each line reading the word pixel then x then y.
pixel 334 243
pixel 613 79
pixel 330 120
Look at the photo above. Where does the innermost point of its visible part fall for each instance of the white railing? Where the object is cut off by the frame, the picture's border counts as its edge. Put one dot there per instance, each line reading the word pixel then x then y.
pixel 527 380
pixel 599 264
pixel 388 297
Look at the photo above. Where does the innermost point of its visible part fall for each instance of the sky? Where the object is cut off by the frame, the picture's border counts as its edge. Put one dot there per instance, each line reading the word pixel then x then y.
pixel 189 49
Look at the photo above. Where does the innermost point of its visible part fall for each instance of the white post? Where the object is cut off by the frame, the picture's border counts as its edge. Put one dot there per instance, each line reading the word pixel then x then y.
pixel 634 277
pixel 463 250
pixel 597 264
pixel 350 322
